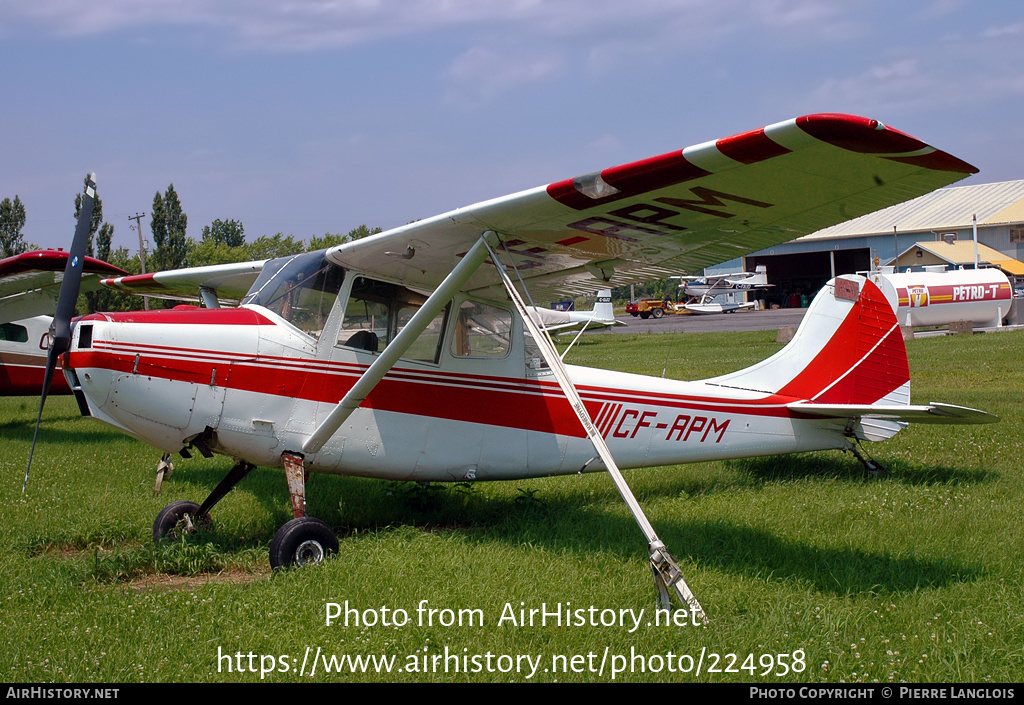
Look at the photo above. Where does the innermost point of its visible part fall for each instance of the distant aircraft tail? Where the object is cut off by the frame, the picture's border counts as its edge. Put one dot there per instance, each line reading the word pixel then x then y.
pixel 760 277
pixel 848 361
pixel 603 307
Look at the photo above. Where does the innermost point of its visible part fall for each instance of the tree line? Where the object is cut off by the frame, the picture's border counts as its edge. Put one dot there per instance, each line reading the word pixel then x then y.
pixel 221 242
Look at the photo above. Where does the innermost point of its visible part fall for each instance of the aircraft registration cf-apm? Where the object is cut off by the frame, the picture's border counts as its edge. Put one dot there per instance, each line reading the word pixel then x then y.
pixel 411 355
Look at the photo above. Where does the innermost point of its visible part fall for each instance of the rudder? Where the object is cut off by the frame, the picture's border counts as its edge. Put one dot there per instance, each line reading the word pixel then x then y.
pixel 848 350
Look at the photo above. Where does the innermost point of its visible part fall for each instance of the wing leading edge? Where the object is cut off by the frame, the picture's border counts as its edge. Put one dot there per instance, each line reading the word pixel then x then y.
pixel 677 212
pixel 229 282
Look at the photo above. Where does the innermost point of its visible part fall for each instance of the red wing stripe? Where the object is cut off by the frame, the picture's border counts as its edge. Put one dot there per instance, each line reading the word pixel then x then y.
pixel 750 147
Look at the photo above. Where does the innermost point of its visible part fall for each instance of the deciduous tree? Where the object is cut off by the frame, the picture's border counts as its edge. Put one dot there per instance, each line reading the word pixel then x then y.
pixel 168 224
pixel 12 222
pixel 226 232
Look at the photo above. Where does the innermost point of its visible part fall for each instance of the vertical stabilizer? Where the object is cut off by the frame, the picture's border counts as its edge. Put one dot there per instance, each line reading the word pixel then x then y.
pixel 603 308
pixel 848 350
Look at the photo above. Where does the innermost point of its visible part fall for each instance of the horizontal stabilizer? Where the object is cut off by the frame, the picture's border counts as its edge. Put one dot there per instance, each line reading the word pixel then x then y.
pixel 933 412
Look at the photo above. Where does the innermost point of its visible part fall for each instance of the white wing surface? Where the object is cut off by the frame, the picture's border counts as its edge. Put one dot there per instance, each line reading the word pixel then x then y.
pixel 678 212
pixel 229 282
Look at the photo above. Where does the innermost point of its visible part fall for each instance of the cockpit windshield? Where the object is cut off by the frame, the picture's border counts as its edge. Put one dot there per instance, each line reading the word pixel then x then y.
pixel 301 289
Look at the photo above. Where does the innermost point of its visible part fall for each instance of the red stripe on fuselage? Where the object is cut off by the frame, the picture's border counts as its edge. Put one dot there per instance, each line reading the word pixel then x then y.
pixel 187 315
pixel 22 375
pixel 509 402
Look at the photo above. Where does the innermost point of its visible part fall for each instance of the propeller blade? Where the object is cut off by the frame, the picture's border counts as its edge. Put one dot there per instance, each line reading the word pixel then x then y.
pixel 60 329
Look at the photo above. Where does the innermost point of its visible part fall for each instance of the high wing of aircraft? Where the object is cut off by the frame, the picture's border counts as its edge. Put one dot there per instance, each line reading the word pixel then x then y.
pixel 559 322
pixel 214 285
pixel 411 355
pixel 29 283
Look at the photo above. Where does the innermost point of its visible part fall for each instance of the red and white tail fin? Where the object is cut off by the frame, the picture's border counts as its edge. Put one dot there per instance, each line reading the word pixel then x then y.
pixel 848 350
pixel 847 361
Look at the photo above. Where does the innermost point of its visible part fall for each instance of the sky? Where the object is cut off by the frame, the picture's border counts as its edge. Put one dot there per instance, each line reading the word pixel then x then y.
pixel 312 116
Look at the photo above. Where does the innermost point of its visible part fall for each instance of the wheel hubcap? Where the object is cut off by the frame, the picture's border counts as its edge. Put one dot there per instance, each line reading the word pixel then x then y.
pixel 309 553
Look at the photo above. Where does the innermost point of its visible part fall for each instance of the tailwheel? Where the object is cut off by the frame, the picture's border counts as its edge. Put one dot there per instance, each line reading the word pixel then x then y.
pixel 302 541
pixel 178 519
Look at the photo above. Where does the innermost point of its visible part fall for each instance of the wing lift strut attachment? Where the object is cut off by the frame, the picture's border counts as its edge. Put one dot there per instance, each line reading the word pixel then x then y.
pixel 667 575
pixel 444 293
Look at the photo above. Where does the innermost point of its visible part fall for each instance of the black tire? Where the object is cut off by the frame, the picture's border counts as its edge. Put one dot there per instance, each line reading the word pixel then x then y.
pixel 645 315
pixel 634 315
pixel 658 313
pixel 178 518
pixel 300 542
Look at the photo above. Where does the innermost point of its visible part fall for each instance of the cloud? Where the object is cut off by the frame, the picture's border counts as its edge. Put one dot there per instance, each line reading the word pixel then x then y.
pixel 1009 30
pixel 900 81
pixel 481 73
pixel 302 25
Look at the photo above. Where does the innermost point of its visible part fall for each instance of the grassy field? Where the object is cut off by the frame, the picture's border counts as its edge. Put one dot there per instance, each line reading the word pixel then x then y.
pixel 808 571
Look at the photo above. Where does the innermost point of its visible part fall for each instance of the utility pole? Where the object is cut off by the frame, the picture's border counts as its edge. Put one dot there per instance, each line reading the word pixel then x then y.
pixel 142 249
pixel 895 252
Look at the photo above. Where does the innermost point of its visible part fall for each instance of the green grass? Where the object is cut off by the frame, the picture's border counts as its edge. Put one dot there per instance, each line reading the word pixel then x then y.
pixel 912 578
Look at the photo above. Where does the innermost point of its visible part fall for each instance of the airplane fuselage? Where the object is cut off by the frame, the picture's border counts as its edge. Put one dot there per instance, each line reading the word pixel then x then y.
pixel 250 384
pixel 23 348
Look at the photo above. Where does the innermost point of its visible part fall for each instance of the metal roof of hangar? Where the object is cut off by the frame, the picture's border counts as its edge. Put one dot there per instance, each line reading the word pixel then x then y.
pixel 948 208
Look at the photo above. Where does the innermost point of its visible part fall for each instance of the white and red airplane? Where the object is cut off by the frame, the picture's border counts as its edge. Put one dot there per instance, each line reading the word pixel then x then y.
pixel 715 284
pixel 703 289
pixel 29 283
pixel 410 355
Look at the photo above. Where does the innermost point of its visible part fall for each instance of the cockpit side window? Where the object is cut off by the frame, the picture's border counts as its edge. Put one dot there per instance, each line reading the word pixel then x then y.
pixel 13 332
pixel 378 311
pixel 301 289
pixel 482 330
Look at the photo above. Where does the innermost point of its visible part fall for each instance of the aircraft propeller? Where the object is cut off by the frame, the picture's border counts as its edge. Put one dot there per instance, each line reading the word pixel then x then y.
pixel 60 329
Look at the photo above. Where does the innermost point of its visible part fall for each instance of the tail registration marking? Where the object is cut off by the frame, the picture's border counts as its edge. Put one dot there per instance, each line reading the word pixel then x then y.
pixel 630 422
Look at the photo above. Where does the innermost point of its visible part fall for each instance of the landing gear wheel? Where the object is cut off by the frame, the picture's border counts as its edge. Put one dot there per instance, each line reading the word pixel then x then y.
pixel 178 519
pixel 302 541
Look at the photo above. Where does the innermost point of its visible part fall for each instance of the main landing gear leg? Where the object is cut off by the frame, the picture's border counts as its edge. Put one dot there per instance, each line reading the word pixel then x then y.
pixel 303 540
pixel 164 469
pixel 183 517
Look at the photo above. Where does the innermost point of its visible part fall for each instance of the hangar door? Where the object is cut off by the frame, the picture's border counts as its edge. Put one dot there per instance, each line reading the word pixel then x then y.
pixel 797 277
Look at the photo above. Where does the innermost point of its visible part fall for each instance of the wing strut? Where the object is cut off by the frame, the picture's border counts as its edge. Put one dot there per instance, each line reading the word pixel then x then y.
pixel 402 342
pixel 663 565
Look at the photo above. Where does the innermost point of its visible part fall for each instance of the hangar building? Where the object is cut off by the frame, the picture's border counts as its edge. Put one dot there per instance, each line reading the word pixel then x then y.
pixel 931 229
